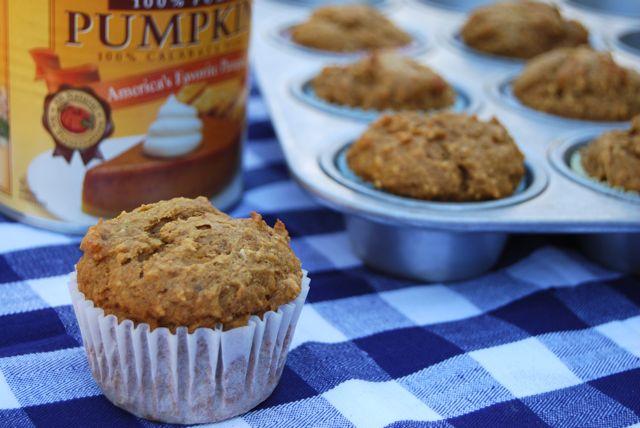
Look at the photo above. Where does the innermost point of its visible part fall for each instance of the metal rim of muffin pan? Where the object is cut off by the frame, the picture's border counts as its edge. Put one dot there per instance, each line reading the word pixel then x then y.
pixel 466 101
pixel 619 8
pixel 419 45
pixel 501 91
pixel 626 40
pixel 334 164
pixel 564 156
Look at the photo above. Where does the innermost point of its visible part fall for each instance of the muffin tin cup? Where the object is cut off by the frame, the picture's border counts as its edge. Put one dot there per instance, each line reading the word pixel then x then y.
pixel 619 8
pixel 501 91
pixel 282 35
pixel 619 251
pixel 466 101
pixel 186 378
pixel 564 155
pixel 334 164
pixel 423 254
pixel 419 252
pixel 626 41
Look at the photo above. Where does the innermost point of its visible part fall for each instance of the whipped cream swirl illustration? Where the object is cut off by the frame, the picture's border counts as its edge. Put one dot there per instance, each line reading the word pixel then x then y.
pixel 176 131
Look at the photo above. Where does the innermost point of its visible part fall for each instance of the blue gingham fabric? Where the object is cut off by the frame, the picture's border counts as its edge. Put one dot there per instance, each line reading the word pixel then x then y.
pixel 545 339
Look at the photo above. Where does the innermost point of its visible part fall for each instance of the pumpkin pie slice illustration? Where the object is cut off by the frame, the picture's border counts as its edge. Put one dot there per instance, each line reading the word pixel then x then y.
pixel 192 149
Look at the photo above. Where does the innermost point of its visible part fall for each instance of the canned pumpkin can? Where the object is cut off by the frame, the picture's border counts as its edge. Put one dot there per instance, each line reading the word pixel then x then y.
pixel 109 104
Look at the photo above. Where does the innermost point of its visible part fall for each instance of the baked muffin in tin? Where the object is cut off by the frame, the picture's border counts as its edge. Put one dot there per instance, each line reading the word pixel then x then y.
pixel 521 29
pixel 349 28
pixel 384 81
pixel 579 83
pixel 614 158
pixel 441 157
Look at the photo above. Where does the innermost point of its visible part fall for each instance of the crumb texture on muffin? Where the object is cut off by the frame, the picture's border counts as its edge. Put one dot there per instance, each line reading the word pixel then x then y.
pixel 444 157
pixel 521 29
pixel 184 263
pixel 614 157
pixel 384 81
pixel 579 83
pixel 348 28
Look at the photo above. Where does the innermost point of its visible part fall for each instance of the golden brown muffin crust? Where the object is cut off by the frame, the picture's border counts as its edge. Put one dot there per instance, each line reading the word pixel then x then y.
pixel 384 81
pixel 184 263
pixel 521 29
pixel 444 157
pixel 579 83
pixel 614 157
pixel 348 28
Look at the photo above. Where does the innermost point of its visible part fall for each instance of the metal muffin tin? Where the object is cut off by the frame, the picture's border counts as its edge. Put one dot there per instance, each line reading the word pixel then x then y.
pixel 432 241
pixel 466 101
pixel 282 34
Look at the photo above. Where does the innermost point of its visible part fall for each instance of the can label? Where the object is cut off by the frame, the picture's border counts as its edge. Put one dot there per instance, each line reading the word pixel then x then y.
pixel 108 104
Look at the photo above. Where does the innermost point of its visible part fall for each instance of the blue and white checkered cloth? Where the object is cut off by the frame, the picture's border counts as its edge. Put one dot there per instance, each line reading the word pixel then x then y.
pixel 546 339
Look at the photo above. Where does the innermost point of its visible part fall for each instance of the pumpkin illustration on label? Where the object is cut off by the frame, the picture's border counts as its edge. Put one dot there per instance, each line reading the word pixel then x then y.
pixel 76 119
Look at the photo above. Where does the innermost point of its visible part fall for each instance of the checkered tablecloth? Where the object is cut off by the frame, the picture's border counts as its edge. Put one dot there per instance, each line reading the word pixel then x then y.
pixel 546 338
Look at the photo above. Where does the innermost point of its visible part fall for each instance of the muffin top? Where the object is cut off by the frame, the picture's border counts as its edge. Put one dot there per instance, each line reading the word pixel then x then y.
pixel 384 81
pixel 348 28
pixel 579 83
pixel 521 29
pixel 184 263
pixel 614 157
pixel 443 157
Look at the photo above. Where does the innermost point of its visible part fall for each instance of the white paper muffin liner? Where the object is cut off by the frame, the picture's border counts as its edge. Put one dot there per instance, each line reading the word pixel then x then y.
pixel 186 378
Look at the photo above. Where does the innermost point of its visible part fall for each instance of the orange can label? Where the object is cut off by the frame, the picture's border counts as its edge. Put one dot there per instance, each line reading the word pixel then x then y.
pixel 109 104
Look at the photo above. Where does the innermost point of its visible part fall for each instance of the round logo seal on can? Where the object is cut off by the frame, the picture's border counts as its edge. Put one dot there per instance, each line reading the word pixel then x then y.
pixel 77 119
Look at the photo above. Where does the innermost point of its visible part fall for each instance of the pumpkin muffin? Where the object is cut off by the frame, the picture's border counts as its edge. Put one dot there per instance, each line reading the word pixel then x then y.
pixel 579 83
pixel 348 28
pixel 614 157
pixel 442 157
pixel 184 263
pixel 384 81
pixel 521 29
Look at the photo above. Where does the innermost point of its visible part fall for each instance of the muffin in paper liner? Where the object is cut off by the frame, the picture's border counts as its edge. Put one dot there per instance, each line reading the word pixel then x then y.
pixel 187 378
